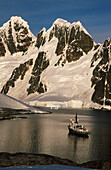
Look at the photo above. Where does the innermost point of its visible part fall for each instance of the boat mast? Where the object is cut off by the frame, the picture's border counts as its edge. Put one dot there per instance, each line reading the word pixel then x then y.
pixel 76 118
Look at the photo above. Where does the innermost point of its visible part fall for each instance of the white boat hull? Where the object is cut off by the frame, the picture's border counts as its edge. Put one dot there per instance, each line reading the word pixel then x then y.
pixel 77 132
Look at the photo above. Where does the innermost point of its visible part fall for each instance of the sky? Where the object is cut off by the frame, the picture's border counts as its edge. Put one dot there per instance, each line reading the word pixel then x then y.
pixel 95 15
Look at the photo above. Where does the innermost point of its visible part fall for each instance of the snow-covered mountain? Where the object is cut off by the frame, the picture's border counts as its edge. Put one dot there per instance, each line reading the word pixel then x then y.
pixel 63 66
pixel 15 36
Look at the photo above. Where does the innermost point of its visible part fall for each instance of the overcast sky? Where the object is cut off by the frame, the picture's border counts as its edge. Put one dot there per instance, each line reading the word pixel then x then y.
pixel 95 15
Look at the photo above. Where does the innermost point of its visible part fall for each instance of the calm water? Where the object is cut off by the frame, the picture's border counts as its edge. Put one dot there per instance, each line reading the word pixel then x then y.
pixel 49 134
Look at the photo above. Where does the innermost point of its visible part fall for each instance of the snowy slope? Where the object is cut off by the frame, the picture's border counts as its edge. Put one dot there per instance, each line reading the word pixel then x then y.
pixel 9 102
pixel 7 65
pixel 68 86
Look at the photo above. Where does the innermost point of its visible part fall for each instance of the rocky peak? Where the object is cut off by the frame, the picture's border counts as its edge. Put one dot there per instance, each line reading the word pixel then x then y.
pixel 41 39
pixel 15 36
pixel 64 23
pixel 73 40
pixel 61 23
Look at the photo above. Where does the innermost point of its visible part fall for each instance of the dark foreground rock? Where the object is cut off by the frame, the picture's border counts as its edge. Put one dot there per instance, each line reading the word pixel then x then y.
pixel 18 159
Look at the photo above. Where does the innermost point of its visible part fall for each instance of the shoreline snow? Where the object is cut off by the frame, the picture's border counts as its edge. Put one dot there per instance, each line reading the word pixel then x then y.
pixel 12 103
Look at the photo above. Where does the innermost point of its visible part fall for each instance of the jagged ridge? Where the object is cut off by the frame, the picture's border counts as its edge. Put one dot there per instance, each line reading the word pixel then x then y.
pixel 85 77
pixel 73 40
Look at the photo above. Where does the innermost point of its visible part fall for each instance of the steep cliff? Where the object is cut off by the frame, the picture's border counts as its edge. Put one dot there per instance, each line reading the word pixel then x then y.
pixel 101 79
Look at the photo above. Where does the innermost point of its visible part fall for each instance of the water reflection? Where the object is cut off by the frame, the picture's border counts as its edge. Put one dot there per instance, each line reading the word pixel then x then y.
pixel 79 146
pixel 49 134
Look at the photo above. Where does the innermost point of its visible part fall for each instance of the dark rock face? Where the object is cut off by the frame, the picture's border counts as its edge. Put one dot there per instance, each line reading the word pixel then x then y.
pixel 2 48
pixel 41 64
pixel 40 39
pixel 101 79
pixel 71 42
pixel 9 40
pixel 16 38
pixel 18 72
pixel 23 39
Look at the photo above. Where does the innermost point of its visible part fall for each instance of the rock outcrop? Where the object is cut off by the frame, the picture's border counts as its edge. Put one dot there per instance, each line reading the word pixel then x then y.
pixel 36 84
pixel 15 36
pixel 101 75
pixel 20 159
pixel 17 73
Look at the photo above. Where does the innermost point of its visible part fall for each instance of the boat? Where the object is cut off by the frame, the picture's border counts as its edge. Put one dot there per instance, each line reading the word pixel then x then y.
pixel 77 129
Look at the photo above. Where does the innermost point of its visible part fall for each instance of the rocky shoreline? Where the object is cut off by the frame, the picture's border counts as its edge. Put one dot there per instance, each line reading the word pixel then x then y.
pixel 19 159
pixel 8 114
